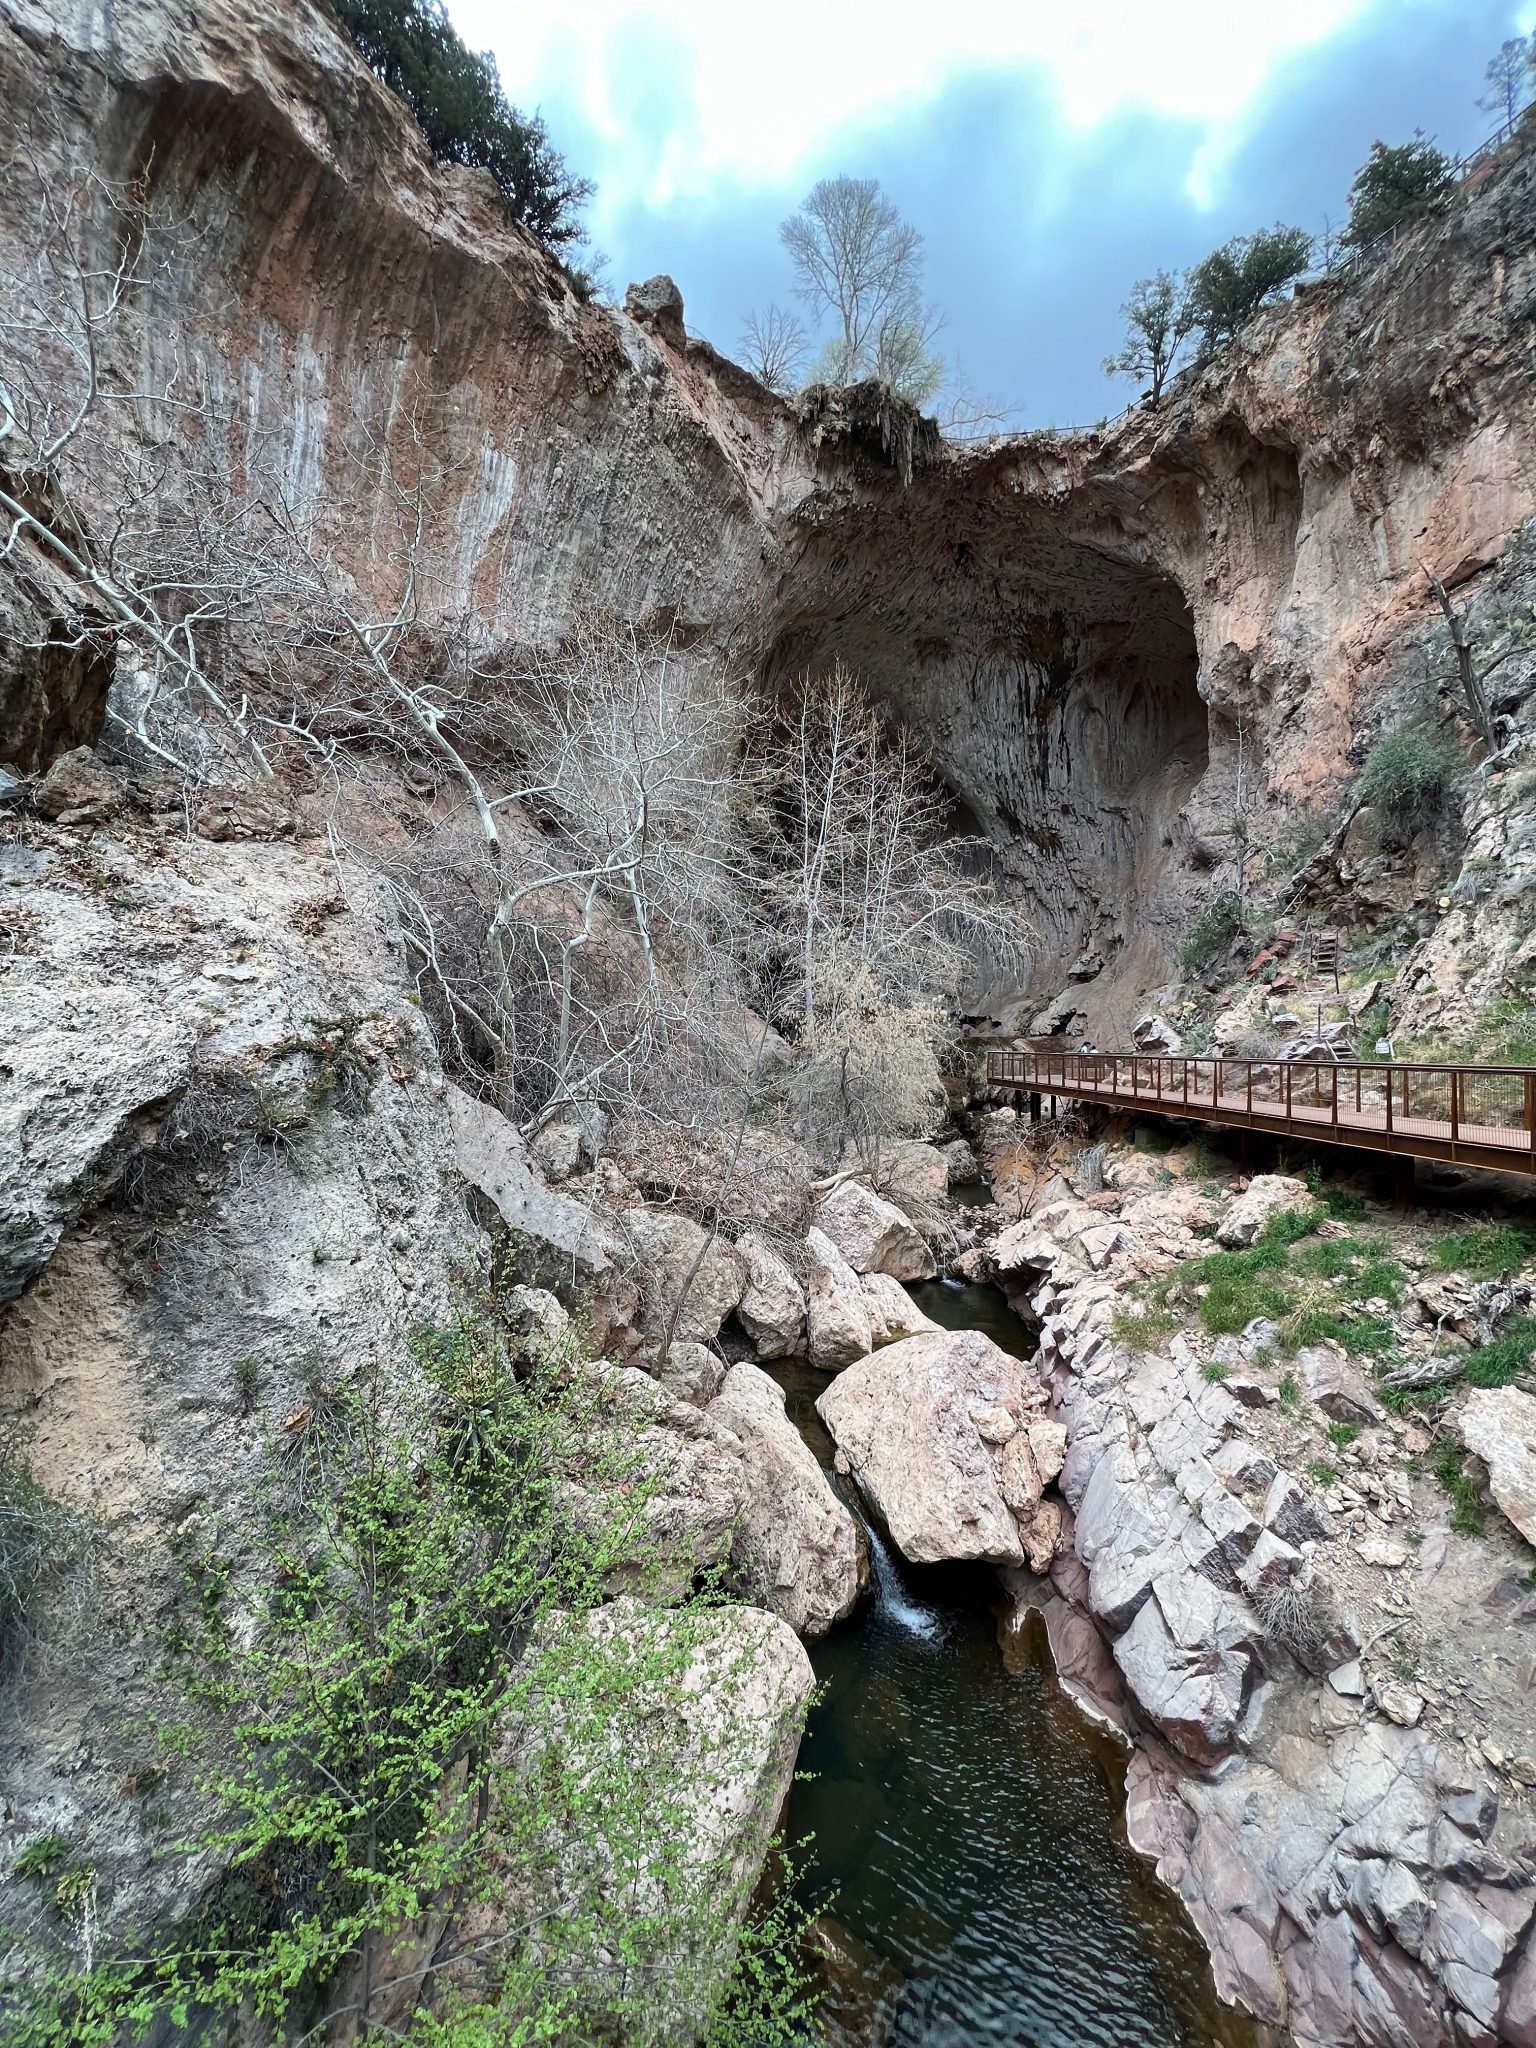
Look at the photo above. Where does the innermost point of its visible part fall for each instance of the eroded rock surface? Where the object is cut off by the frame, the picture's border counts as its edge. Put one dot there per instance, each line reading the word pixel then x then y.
pixel 923 1426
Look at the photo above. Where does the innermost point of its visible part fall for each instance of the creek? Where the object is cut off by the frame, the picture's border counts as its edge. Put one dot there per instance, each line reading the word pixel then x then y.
pixel 962 1823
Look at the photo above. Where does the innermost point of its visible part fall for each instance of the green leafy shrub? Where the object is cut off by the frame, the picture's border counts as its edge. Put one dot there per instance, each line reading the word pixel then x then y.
pixel 1395 184
pixel 465 116
pixel 1212 932
pixel 407 1718
pixel 1406 779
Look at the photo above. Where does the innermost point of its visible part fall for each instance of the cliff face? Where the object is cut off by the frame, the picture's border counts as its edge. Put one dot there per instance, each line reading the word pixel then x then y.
pixel 1108 644
pixel 1099 639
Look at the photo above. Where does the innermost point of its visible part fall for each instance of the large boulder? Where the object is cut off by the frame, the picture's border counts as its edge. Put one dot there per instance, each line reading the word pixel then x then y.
pixel 1267 1195
pixel 702 1709
pixel 772 1307
pixel 491 1155
pixel 1498 1425
pixel 892 1311
pixel 922 1426
pixel 872 1234
pixel 691 1280
pixel 796 1546
pixel 837 1313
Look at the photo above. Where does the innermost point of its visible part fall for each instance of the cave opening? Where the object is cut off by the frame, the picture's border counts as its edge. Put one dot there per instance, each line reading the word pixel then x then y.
pixel 1055 688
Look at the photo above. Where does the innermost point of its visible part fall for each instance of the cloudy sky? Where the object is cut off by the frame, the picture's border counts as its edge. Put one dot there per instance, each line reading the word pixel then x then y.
pixel 1050 151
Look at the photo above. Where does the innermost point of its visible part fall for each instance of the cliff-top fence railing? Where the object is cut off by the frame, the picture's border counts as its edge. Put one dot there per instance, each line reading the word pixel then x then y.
pixel 1476 1116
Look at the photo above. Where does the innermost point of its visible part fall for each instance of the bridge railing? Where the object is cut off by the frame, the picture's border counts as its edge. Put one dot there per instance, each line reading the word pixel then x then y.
pixel 1474 1105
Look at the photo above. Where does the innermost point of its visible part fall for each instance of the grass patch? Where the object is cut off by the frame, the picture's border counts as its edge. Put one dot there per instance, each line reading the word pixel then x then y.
pixel 1342 1434
pixel 1214 1372
pixel 1361 1335
pixel 1507 1359
pixel 1360 1260
pixel 1289 1391
pixel 1322 1474
pixel 1290 1226
pixel 1449 1467
pixel 1143 1326
pixel 1486 1249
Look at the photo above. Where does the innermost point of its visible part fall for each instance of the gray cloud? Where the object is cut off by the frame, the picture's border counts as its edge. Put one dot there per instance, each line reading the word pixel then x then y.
pixel 1033 232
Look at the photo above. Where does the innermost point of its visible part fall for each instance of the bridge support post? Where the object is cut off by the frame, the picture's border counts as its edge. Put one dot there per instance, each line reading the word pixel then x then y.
pixel 1034 1109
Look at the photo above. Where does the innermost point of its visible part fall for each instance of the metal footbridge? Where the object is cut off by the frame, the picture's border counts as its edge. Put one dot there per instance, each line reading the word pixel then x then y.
pixel 1474 1116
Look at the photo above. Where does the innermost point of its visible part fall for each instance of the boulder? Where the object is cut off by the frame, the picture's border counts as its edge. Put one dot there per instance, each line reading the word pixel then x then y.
pixel 1187 1657
pixel 960 1163
pixel 691 1372
pixel 1155 1034
pixel 797 1546
pixel 1336 1386
pixel 915 1176
pixel 691 1282
pixel 872 1234
pixel 78 789
pixel 706 1711
pixel 892 1311
pixel 658 304
pixel 904 1422
pixel 772 1307
pixel 1267 1194
pixel 837 1311
pixel 556 1150
pixel 1498 1425
pixel 489 1152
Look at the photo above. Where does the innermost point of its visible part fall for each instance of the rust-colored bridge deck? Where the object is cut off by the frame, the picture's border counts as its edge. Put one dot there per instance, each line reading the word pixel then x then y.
pixel 1477 1116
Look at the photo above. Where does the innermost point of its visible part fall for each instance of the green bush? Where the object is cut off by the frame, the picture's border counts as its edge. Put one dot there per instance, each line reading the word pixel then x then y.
pixel 1236 279
pixel 465 116
pixel 402 1714
pixel 1393 185
pixel 1406 779
pixel 1212 932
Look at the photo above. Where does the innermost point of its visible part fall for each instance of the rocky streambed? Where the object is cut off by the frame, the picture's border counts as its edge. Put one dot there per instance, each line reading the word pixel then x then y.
pixel 960 1822
pixel 1250 1571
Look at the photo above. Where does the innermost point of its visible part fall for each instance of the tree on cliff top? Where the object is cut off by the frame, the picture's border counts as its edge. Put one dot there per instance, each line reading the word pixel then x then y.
pixel 1394 185
pixel 1508 78
pixel 858 261
pixel 1158 319
pixel 465 116
pixel 1244 274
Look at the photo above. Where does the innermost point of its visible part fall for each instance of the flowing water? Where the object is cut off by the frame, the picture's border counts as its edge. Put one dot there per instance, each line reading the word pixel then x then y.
pixel 964 1823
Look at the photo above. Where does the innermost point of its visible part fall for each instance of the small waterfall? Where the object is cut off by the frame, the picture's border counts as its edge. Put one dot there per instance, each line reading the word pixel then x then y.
pixel 892 1600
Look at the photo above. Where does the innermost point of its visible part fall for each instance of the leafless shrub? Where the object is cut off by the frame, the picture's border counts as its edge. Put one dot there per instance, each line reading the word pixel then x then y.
pixel 1088 1169
pixel 1297 1612
pixel 47 1552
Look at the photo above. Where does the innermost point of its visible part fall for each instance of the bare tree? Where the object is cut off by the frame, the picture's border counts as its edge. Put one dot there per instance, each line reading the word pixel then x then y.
pixel 882 914
pixel 164 557
pixel 1159 320
pixel 1469 672
pixel 856 260
pixel 1508 78
pixel 773 347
